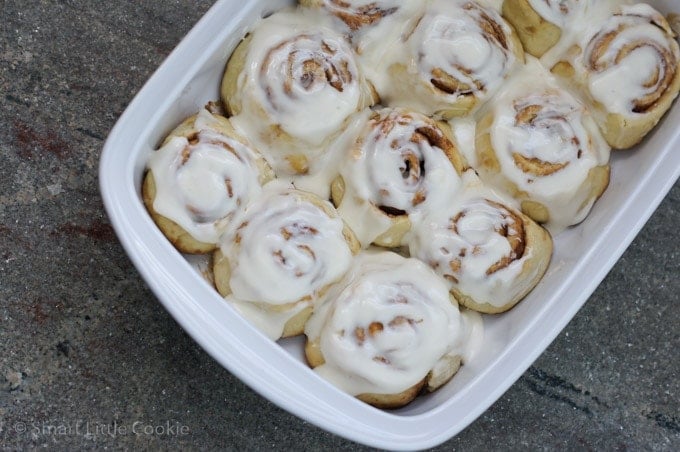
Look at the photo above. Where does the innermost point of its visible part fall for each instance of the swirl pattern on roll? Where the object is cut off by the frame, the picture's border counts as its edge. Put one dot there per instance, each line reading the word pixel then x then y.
pixel 203 179
pixel 543 146
pixel 539 121
pixel 401 164
pixel 490 254
pixel 288 246
pixel 498 225
pixel 448 69
pixel 313 65
pixel 386 326
pixel 461 52
pixel 283 77
pixel 632 60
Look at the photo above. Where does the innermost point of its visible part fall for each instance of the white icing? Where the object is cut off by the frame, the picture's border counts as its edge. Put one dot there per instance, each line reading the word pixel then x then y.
pixel 379 45
pixel 301 77
pixel 471 341
pixel 467 244
pixel 419 326
pixel 561 132
pixel 325 168
pixel 621 77
pixel 583 21
pixel 201 186
pixel 449 37
pixel 464 130
pixel 495 4
pixel 393 165
pixel 285 248
pixel 379 27
pixel 558 12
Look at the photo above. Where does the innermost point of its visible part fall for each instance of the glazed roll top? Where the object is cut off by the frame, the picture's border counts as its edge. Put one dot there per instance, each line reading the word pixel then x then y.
pixel 292 84
pixel 491 254
pixel 288 245
pixel 456 57
pixel 386 326
pixel 401 164
pixel 541 144
pixel 493 246
pixel 543 135
pixel 203 174
pixel 633 60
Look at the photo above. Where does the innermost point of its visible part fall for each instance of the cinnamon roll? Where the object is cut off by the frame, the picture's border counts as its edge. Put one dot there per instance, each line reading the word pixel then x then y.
pixel 203 174
pixel 540 23
pixel 632 73
pixel 282 254
pixel 388 330
pixel 490 254
pixel 402 164
pixel 291 84
pixel 453 60
pixel 541 145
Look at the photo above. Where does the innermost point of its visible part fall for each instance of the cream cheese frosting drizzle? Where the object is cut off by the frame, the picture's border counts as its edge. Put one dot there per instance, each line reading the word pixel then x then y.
pixel 386 325
pixel 401 165
pixel 203 181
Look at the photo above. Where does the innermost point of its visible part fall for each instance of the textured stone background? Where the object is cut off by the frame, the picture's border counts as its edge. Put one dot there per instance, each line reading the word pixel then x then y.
pixel 84 346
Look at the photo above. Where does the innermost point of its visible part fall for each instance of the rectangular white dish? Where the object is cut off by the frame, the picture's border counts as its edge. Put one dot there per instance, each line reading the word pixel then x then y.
pixel 188 79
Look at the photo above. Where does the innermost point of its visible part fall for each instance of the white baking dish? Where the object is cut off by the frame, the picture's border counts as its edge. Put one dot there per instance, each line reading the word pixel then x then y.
pixel 583 255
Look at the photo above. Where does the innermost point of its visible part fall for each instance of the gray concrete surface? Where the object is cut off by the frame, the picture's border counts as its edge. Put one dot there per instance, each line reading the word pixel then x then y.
pixel 86 352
